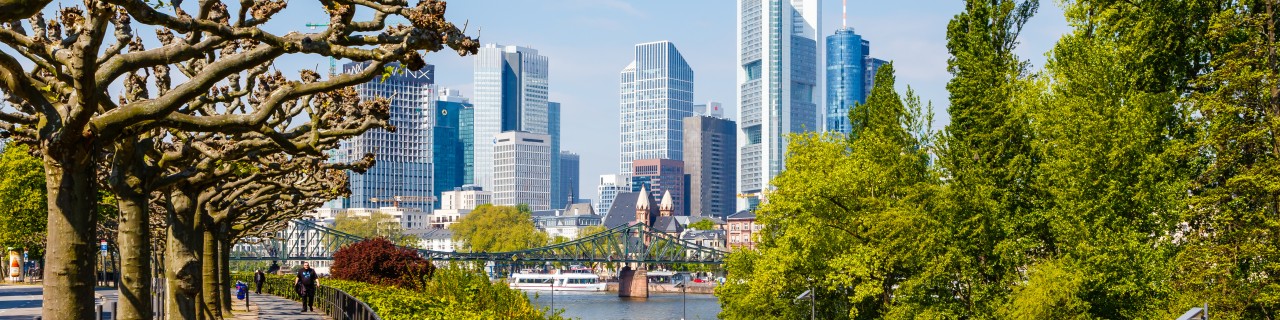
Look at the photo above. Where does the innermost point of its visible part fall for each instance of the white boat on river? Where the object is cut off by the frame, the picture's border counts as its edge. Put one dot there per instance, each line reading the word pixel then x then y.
pixel 558 282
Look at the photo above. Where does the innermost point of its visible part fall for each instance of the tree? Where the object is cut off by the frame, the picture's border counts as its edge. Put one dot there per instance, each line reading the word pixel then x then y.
pixel 1233 223
pixel 491 228
pixel 62 108
pixel 986 154
pixel 379 261
pixel 704 224
pixel 22 199
pixel 374 225
pixel 850 218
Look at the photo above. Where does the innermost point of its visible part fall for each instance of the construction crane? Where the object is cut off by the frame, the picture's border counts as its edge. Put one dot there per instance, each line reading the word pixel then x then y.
pixel 396 200
pixel 333 66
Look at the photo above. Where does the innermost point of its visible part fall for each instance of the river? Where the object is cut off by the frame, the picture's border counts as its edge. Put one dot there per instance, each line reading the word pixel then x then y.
pixel 607 305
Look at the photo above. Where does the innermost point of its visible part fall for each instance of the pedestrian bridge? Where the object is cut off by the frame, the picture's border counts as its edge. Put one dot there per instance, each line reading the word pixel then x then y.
pixel 635 243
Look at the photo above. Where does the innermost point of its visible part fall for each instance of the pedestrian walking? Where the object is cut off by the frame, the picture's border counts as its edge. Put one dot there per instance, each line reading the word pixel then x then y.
pixel 306 282
pixel 258 279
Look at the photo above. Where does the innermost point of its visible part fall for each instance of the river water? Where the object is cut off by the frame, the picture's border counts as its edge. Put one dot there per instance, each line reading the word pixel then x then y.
pixel 607 305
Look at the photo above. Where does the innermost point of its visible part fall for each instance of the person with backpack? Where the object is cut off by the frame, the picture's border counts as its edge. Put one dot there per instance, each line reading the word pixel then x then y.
pixel 306 282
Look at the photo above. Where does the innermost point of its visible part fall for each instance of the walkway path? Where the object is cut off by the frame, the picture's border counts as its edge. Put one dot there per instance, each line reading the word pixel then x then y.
pixel 271 307
pixel 22 302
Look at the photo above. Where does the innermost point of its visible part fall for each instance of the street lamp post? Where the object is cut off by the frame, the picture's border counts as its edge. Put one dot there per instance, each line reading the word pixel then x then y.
pixel 684 299
pixel 809 294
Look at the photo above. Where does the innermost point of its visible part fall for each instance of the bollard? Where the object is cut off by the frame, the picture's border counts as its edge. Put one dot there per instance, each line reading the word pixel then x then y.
pixel 97 312
pixel 113 311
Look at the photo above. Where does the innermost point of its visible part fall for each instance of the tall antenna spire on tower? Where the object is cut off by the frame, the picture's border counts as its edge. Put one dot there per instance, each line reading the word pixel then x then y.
pixel 844 14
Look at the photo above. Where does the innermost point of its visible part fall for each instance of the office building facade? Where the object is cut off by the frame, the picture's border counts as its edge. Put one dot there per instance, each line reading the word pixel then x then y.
pixel 569 174
pixel 558 194
pixel 711 108
pixel 511 91
pixel 656 94
pixel 658 177
pixel 522 169
pixel 710 159
pixel 777 56
pixel 448 147
pixel 607 190
pixel 404 157
pixel 846 55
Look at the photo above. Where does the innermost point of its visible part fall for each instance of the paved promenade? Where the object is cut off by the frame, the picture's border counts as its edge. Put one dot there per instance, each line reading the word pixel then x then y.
pixel 22 302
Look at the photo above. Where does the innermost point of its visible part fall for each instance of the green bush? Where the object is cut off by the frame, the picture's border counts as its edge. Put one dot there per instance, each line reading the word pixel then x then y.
pixel 451 293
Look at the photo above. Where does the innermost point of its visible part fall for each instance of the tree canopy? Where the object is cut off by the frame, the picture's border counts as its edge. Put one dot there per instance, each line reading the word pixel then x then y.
pixel 491 228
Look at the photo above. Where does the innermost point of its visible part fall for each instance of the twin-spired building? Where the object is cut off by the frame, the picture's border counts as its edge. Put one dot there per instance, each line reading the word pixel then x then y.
pixel 778 89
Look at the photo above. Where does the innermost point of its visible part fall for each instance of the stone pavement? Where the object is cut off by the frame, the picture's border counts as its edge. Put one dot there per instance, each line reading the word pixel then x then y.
pixel 271 307
pixel 22 302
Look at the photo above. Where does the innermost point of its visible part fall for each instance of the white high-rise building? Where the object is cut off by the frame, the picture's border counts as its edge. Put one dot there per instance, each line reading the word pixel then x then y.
pixel 656 95
pixel 610 186
pixel 522 170
pixel 710 109
pixel 510 95
pixel 777 86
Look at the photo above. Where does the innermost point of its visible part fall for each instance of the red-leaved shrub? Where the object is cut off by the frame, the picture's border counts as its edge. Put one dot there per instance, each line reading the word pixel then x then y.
pixel 379 261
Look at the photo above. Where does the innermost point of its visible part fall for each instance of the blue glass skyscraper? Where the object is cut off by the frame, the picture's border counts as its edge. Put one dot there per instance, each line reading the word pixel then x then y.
pixel 448 146
pixel 553 129
pixel 846 55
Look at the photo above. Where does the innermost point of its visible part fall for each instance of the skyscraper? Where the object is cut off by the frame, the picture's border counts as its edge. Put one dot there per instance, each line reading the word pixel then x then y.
pixel 522 169
pixel 558 195
pixel 846 53
pixel 510 95
pixel 777 53
pixel 659 177
pixel 709 161
pixel 404 157
pixel 569 174
pixel 656 93
pixel 608 189
pixel 872 66
pixel 448 147
pixel 711 108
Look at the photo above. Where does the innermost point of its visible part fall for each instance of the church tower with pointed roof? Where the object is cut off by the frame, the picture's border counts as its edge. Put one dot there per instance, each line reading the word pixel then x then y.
pixel 667 207
pixel 643 207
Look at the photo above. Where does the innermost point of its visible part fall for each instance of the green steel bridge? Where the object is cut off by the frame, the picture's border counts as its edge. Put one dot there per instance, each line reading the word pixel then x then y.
pixel 305 240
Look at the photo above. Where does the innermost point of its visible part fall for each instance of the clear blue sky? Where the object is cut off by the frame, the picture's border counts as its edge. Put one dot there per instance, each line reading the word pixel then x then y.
pixel 590 41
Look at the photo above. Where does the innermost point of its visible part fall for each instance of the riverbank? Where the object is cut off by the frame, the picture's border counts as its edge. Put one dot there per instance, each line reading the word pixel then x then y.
pixel 669 288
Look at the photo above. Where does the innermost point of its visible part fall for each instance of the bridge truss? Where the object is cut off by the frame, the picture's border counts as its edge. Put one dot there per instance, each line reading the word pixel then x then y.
pixel 306 240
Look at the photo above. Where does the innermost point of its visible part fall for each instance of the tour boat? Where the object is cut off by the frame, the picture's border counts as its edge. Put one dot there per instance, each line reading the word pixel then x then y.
pixel 558 282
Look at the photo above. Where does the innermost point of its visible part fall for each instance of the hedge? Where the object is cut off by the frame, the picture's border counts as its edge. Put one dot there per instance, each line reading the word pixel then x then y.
pixel 451 293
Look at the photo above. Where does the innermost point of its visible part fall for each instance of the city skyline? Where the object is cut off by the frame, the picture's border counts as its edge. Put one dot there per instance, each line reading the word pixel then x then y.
pixel 588 87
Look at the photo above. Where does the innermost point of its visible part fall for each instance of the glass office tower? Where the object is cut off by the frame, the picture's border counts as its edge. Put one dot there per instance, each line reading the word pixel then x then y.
pixel 656 95
pixel 777 56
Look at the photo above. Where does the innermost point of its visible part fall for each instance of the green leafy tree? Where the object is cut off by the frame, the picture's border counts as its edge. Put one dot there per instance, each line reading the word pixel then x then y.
pixel 1233 228
pixel 23 205
pixel 987 159
pixel 374 225
pixel 1109 195
pixel 704 224
pixel 849 218
pixel 491 228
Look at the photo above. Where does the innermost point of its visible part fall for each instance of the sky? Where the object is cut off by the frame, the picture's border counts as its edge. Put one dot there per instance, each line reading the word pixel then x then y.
pixel 588 42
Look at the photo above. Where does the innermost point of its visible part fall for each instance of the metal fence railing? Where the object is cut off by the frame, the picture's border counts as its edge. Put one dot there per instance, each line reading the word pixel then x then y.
pixel 333 302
